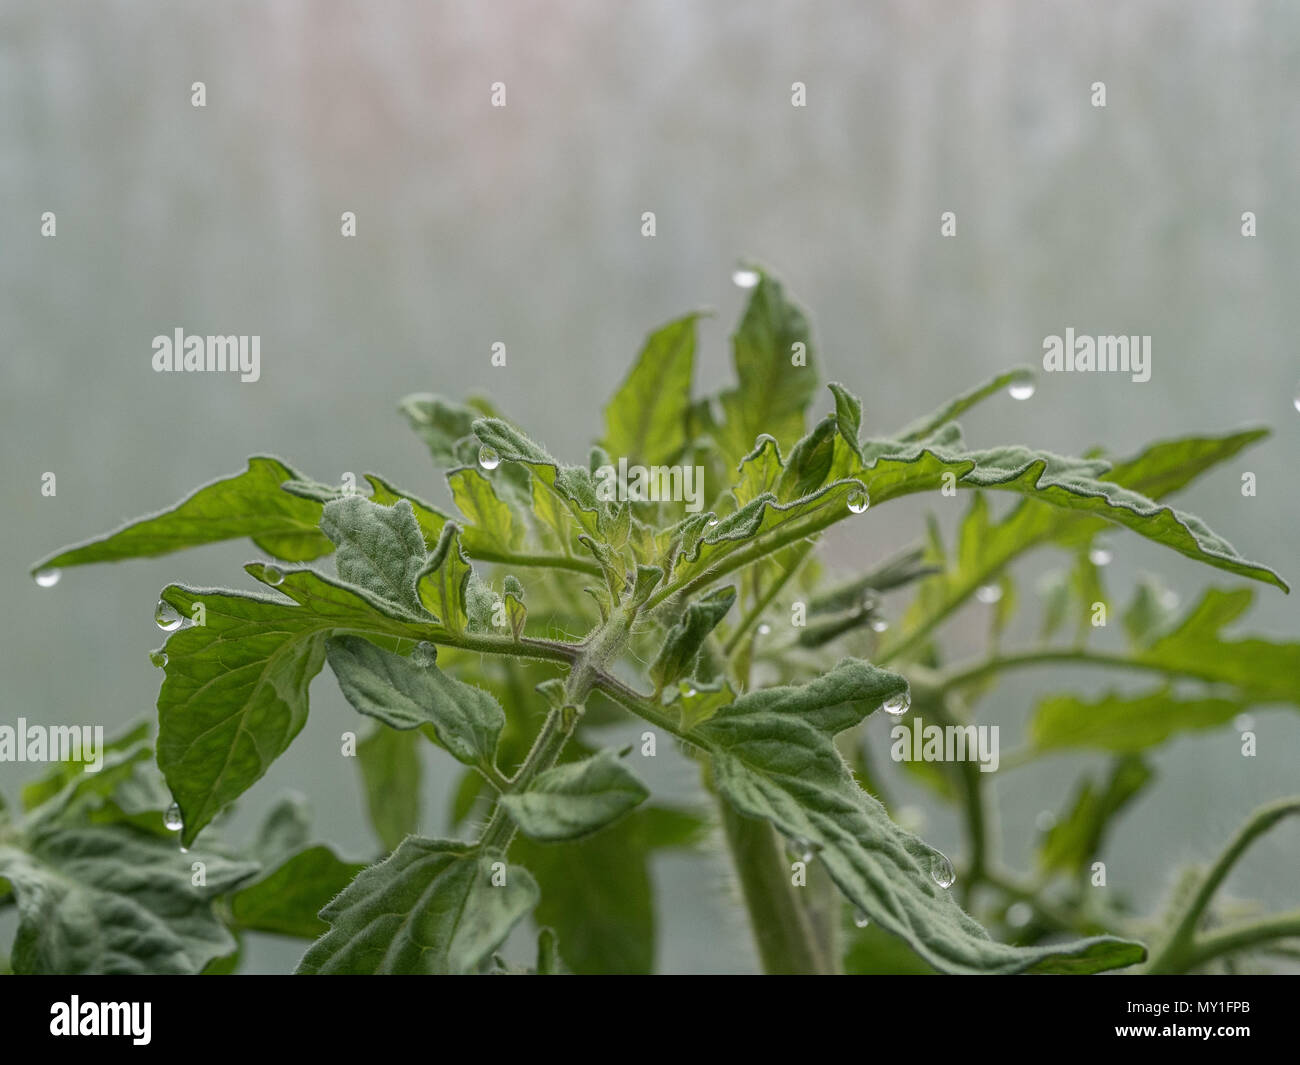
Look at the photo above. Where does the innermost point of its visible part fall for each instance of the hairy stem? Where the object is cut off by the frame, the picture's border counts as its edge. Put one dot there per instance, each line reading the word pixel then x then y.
pixel 786 940
pixel 1181 950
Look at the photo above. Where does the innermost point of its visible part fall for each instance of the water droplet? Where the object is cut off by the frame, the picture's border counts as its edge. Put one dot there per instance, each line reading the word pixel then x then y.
pixel 897 705
pixel 48 578
pixel 711 522
pixel 941 870
pixel 1045 821
pixel 988 593
pixel 801 850
pixel 858 501
pixel 1243 722
pixel 1019 914
pixel 745 278
pixel 1021 387
pixel 172 820
pixel 185 850
pixel 879 624
pixel 488 457
pixel 167 616
pixel 1099 555
pixel 273 575
pixel 688 690
pixel 158 658
pixel 861 920
pixel 424 655
pixel 764 628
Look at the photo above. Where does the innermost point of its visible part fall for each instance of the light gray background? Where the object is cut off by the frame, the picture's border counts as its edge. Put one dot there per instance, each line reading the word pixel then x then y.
pixel 523 225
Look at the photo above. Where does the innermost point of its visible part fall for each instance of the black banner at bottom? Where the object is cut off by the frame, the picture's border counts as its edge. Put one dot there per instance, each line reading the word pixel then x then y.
pixel 166 1014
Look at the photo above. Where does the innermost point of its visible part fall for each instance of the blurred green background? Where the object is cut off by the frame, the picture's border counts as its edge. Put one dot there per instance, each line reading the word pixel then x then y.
pixel 522 225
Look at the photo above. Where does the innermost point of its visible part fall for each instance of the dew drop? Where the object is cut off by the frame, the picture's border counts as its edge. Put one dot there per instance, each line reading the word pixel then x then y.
pixel 858 501
pixel 988 593
pixel 802 850
pixel 273 575
pixel 48 578
pixel 1019 914
pixel 688 690
pixel 167 617
pixel 745 278
pixel 488 457
pixel 172 820
pixel 764 628
pixel 1021 387
pixel 711 522
pixel 941 870
pixel 424 655
pixel 861 920
pixel 897 705
pixel 158 658
pixel 185 850
pixel 879 624
pixel 1045 821
pixel 1100 556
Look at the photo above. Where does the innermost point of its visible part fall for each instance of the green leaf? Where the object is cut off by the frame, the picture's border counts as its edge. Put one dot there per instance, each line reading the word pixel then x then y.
pixel 1261 670
pixel 575 799
pixel 286 900
pixel 444 425
pixel 760 471
pixel 772 391
pixel 700 702
pixel 444 581
pixel 389 761
pixel 1072 485
pixel 1076 840
pixel 430 907
pixel 646 419
pixel 571 485
pixel 380 548
pixel 597 891
pixel 235 692
pixel 431 520
pixel 246 504
pixel 682 645
pixel 810 461
pixel 774 758
pixel 516 612
pixel 985 548
pixel 404 694
pixel 493 528
pixel 109 899
pixel 1124 723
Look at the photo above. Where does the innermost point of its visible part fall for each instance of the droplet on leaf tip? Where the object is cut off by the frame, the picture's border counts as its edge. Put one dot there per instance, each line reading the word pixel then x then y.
pixel 167 617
